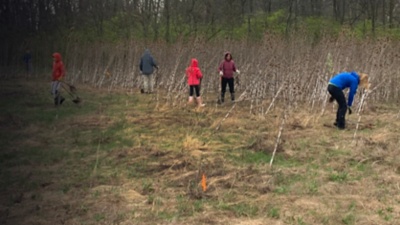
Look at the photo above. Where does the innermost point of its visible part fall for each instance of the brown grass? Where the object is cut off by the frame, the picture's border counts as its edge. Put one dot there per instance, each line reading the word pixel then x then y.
pixel 149 161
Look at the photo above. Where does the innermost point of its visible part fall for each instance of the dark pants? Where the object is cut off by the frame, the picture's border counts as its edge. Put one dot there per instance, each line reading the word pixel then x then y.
pixel 338 95
pixel 194 88
pixel 231 83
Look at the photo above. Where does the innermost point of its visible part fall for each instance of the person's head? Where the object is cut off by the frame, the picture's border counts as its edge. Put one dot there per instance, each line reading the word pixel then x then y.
pixel 56 57
pixel 228 56
pixel 194 62
pixel 364 81
pixel 146 53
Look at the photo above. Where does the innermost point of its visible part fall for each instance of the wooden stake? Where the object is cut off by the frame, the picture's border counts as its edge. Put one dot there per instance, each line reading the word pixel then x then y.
pixel 278 138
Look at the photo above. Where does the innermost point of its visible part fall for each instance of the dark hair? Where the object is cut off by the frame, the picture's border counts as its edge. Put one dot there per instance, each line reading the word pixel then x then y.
pixel 228 53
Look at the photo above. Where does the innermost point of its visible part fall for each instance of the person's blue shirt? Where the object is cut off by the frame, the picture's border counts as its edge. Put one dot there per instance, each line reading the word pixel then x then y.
pixel 345 80
pixel 147 63
pixel 27 57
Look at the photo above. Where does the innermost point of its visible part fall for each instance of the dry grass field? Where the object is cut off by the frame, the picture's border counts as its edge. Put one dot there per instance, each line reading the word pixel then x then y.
pixel 125 158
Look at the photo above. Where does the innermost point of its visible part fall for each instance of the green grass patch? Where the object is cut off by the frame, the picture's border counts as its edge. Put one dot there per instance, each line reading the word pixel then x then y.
pixel 338 176
pixel 274 213
pixel 240 209
pixel 349 219
pixel 166 215
pixel 386 213
pixel 246 156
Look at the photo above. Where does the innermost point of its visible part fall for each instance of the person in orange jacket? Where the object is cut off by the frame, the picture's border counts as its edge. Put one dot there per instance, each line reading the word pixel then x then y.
pixel 57 75
pixel 194 76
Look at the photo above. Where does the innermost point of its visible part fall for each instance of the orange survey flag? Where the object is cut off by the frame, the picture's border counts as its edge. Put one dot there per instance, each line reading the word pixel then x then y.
pixel 204 182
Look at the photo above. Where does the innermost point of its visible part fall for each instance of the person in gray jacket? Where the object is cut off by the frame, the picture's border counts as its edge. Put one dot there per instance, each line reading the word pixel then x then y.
pixel 147 65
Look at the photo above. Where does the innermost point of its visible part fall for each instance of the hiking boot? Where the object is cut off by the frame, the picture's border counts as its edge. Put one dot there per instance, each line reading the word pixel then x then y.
pixel 190 99
pixel 222 98
pixel 56 100
pixel 200 102
pixel 339 126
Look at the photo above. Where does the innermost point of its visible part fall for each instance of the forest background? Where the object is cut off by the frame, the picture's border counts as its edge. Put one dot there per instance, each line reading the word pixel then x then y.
pixel 111 35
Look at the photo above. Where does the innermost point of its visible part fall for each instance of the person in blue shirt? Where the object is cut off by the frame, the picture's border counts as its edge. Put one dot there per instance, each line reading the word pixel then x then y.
pixel 28 61
pixel 146 66
pixel 336 86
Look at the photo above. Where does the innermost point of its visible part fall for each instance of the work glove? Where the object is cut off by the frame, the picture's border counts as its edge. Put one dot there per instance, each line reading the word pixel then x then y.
pixel 221 73
pixel 350 111
pixel 238 71
pixel 60 78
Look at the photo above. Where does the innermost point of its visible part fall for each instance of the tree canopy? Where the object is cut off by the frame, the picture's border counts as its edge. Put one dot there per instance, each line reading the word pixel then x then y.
pixel 172 19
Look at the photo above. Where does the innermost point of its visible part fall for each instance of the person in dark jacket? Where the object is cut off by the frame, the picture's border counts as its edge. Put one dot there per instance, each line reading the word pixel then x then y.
pixel 336 86
pixel 226 70
pixel 57 75
pixel 146 66
pixel 28 61
pixel 194 76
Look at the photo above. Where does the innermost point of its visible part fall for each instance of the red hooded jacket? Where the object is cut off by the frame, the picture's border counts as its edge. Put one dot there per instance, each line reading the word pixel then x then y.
pixel 58 67
pixel 193 73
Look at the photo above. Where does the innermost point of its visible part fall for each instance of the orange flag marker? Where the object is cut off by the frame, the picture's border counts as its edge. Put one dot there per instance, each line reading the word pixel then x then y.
pixel 204 182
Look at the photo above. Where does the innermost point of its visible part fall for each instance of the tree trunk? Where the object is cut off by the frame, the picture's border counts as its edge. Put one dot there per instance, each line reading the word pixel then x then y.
pixel 167 19
pixel 289 17
pixel 384 13
pixel 391 7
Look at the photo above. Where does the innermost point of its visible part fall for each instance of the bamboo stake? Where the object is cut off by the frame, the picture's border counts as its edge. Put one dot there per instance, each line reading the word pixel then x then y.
pixel 230 110
pixel 273 100
pixel 359 115
pixel 360 106
pixel 278 138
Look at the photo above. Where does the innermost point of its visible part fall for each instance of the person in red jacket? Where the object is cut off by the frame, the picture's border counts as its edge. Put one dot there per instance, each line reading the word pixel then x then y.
pixel 57 75
pixel 226 70
pixel 194 76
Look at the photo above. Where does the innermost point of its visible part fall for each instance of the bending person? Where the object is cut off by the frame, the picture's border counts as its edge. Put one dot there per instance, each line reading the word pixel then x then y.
pixel 336 86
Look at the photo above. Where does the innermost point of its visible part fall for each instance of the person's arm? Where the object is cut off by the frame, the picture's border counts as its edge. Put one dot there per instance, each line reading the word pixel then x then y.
pixel 353 90
pixel 141 65
pixel 199 74
pixel 220 68
pixel 154 63
pixel 234 68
